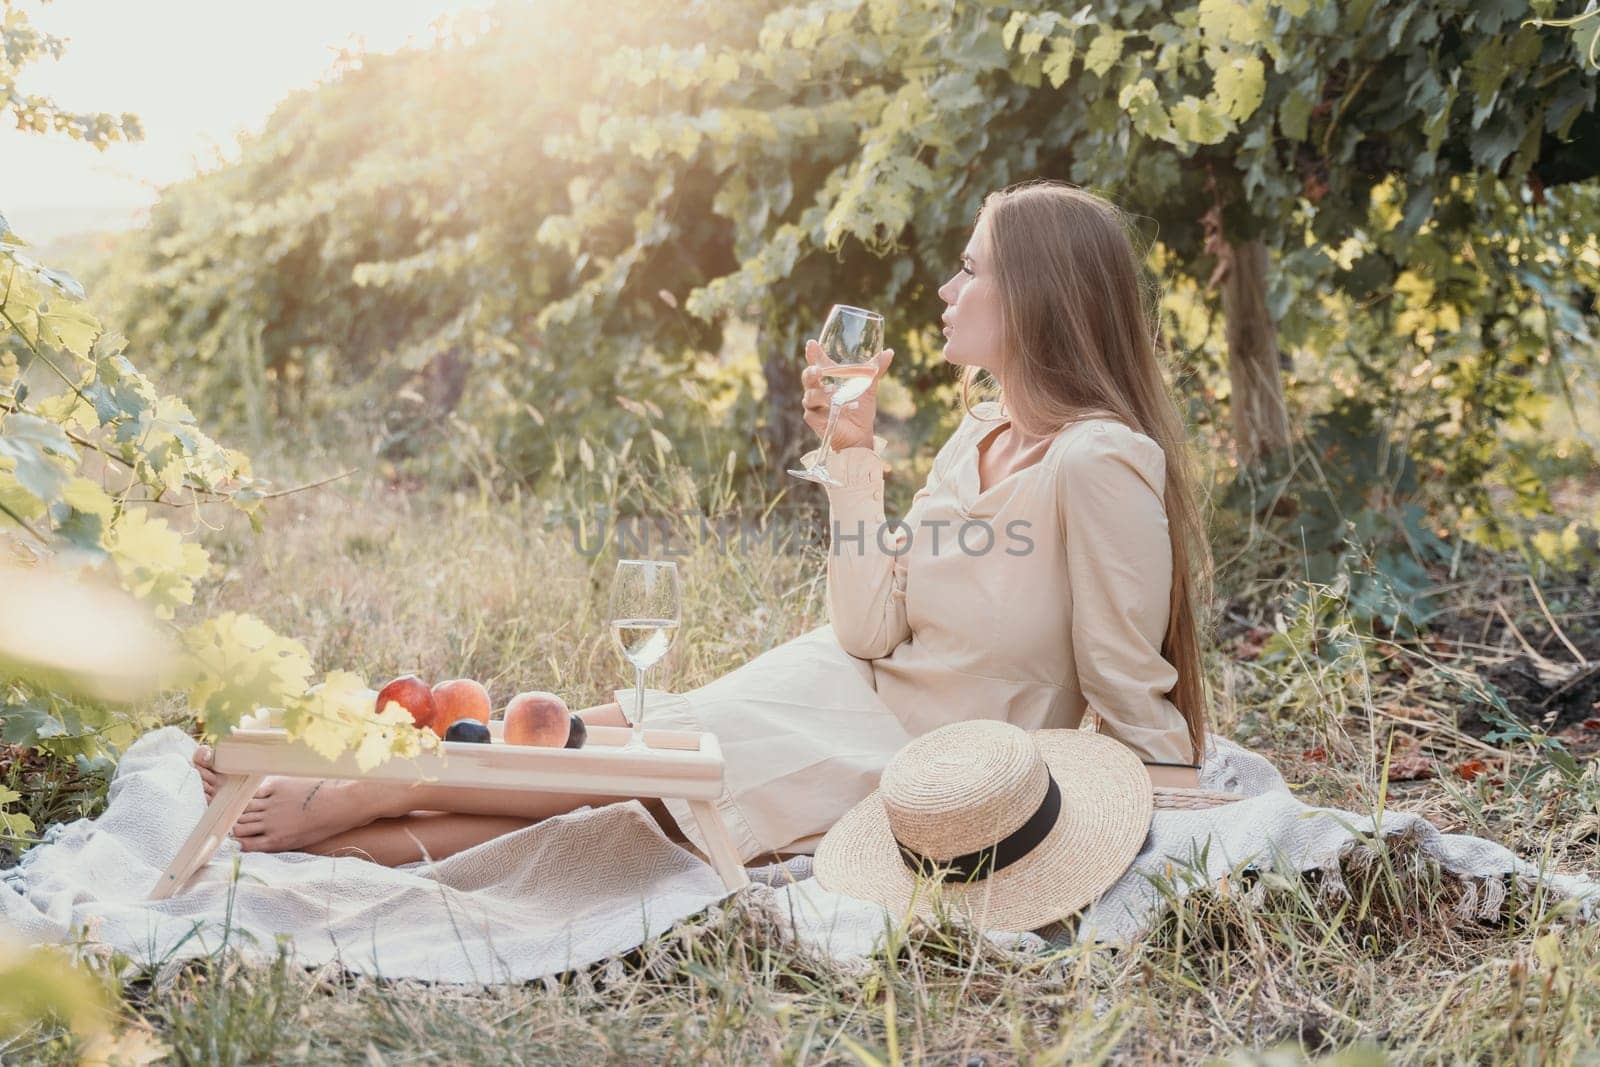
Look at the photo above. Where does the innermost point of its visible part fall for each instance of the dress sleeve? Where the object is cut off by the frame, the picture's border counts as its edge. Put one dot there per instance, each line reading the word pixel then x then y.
pixel 866 572
pixel 1119 565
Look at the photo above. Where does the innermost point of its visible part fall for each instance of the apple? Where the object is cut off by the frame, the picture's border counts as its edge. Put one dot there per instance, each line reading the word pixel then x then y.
pixel 537 718
pixel 411 693
pixel 457 699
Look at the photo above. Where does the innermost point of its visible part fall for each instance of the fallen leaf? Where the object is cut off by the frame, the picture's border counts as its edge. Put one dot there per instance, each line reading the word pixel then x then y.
pixel 1412 767
pixel 1471 769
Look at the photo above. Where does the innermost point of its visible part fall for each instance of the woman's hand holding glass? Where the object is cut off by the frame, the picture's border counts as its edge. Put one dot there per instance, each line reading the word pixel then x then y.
pixel 853 427
pixel 839 385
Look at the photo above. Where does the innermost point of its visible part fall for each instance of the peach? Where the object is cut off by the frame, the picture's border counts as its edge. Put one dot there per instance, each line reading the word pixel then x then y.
pixel 411 693
pixel 457 699
pixel 537 718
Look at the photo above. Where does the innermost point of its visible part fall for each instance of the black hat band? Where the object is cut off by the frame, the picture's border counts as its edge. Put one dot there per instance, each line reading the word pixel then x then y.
pixel 996 857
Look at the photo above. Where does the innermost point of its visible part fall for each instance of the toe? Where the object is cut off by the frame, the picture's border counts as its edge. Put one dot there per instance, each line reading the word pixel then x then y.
pixel 259 843
pixel 202 757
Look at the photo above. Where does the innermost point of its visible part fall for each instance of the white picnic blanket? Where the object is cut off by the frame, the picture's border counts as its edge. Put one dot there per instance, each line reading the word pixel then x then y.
pixel 592 885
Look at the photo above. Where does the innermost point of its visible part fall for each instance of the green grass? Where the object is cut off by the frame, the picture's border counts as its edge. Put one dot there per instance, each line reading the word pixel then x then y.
pixel 1264 970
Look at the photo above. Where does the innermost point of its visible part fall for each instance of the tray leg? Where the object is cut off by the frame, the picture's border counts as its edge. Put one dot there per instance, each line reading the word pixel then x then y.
pixel 226 806
pixel 723 856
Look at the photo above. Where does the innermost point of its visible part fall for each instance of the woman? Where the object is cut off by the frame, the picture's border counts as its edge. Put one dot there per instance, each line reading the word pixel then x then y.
pixel 1049 568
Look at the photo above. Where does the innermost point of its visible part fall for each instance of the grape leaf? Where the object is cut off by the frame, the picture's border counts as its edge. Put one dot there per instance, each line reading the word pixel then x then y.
pixel 1198 120
pixel 157 565
pixel 13 823
pixel 1058 65
pixel 1142 101
pixel 39 453
pixel 69 325
pixel 1233 21
pixel 1294 115
pixel 1104 51
pixel 1240 85
pixel 239 664
pixel 83 516
pixel 28 723
pixel 338 715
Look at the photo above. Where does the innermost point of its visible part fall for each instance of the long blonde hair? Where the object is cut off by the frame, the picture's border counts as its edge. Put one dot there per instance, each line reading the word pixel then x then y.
pixel 1081 336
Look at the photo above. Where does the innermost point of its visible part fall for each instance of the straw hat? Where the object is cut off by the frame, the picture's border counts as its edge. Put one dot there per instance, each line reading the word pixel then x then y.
pixel 1017 829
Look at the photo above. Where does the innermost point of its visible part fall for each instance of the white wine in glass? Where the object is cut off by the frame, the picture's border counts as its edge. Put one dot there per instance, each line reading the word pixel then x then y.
pixel 851 338
pixel 644 641
pixel 644 624
pixel 847 382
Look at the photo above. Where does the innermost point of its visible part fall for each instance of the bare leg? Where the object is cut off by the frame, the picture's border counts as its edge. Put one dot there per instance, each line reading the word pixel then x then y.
pixel 437 834
pixel 418 836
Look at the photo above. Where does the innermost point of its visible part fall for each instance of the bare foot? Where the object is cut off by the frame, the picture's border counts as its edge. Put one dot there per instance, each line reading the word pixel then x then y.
pixel 289 813
pixel 209 779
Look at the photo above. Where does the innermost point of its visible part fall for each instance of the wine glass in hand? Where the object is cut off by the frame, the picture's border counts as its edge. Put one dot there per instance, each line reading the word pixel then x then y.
pixel 644 623
pixel 850 340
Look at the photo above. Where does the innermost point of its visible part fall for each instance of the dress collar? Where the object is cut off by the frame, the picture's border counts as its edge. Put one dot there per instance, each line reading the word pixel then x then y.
pixel 975 504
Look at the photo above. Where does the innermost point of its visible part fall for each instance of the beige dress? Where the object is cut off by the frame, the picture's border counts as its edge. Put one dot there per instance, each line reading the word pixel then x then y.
pixel 1038 599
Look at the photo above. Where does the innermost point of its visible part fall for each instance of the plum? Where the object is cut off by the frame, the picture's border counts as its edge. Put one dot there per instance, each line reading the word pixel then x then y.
pixel 577 733
pixel 468 730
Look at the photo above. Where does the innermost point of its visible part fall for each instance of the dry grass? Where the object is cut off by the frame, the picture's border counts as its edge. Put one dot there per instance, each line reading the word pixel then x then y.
pixel 386 580
pixel 512 593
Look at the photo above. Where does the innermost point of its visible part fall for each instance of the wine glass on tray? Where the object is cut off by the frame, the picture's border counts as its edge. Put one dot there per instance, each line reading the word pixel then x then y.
pixel 644 624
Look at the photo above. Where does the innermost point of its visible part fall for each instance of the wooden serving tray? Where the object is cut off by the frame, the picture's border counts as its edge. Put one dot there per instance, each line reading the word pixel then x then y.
pixel 679 764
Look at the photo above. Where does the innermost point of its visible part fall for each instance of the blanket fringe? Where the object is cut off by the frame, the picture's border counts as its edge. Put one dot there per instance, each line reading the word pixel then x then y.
pixel 1481 898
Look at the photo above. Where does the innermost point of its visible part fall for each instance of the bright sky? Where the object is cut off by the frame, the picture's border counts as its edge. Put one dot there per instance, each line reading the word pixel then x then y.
pixel 196 72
